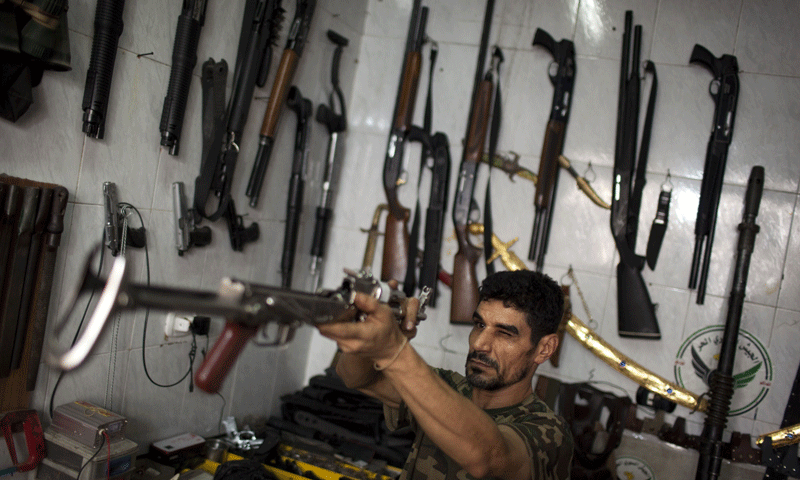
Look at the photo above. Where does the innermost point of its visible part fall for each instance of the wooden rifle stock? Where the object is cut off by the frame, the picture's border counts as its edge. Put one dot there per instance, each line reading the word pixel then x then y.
pixel 465 281
pixel 395 245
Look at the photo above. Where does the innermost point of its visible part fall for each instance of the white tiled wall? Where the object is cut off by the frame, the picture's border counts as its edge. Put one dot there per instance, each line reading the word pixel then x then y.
pixel 47 145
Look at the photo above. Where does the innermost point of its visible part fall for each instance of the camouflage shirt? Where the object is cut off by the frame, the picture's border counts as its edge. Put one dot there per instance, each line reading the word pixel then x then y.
pixel 546 436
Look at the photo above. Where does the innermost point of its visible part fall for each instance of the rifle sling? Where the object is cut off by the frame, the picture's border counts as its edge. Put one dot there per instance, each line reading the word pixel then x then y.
pixel 629 256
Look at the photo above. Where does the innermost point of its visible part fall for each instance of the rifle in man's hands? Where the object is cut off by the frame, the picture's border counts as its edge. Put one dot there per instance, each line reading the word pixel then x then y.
pixel 395 247
pixel 563 79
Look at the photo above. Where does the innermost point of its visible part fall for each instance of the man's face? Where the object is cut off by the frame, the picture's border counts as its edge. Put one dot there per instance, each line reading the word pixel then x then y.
pixel 500 348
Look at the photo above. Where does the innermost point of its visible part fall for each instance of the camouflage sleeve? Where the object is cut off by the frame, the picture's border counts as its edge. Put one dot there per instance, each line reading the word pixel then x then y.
pixel 400 417
pixel 549 444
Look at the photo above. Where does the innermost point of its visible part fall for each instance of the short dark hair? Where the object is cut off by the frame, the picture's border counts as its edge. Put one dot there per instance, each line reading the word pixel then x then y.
pixel 533 293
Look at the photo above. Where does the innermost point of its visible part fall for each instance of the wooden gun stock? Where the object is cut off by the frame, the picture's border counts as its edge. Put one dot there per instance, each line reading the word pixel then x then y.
pixel 395 247
pixel 465 281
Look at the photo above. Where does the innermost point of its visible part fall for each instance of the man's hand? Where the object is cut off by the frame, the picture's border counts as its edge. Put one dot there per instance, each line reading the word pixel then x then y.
pixel 377 335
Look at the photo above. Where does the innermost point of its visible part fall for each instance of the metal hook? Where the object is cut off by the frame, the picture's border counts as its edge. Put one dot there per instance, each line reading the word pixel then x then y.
pixel 589 170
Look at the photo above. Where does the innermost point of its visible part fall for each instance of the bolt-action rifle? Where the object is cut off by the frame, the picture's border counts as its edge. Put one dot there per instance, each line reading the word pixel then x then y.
pixel 465 280
pixel 248 309
pixel 563 79
pixel 184 58
pixel 726 81
pixel 294 202
pixel 396 242
pixel 636 312
pixel 298 34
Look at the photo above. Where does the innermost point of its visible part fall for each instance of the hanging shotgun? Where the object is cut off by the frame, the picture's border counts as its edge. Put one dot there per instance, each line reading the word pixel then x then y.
pixel 294 202
pixel 563 80
pixel 396 240
pixel 222 128
pixel 184 58
pixel 721 381
pixel 726 80
pixel 636 312
pixel 336 123
pixel 298 34
pixel 464 299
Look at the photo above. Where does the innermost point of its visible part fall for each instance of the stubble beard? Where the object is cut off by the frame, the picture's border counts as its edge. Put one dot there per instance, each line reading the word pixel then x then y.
pixel 479 378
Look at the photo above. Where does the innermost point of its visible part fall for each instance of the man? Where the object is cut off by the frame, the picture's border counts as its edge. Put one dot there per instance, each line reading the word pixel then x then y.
pixel 487 425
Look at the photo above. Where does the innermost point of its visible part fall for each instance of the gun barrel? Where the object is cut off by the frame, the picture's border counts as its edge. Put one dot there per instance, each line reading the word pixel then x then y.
pixel 107 29
pixel 184 59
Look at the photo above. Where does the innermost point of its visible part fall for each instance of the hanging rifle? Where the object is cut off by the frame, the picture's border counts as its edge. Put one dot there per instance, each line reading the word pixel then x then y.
pixel 563 79
pixel 465 280
pixel 298 34
pixel 721 380
pixel 222 128
pixel 336 123
pixel 294 203
pixel 726 80
pixel 396 240
pixel 636 312
pixel 184 58
pixel 435 214
pixel 107 29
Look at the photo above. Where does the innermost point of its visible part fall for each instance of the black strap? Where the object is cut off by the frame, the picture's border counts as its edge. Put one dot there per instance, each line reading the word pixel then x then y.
pixel 494 134
pixel 659 228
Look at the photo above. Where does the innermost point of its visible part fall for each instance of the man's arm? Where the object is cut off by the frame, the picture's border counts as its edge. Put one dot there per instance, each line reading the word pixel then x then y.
pixel 460 428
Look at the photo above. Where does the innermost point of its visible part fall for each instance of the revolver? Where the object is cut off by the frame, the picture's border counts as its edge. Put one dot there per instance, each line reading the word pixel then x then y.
pixel 248 308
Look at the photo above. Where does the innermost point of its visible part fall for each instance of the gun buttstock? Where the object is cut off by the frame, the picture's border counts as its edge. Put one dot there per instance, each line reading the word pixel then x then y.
pixel 636 312
pixel 464 300
pixel 223 355
pixel 395 247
